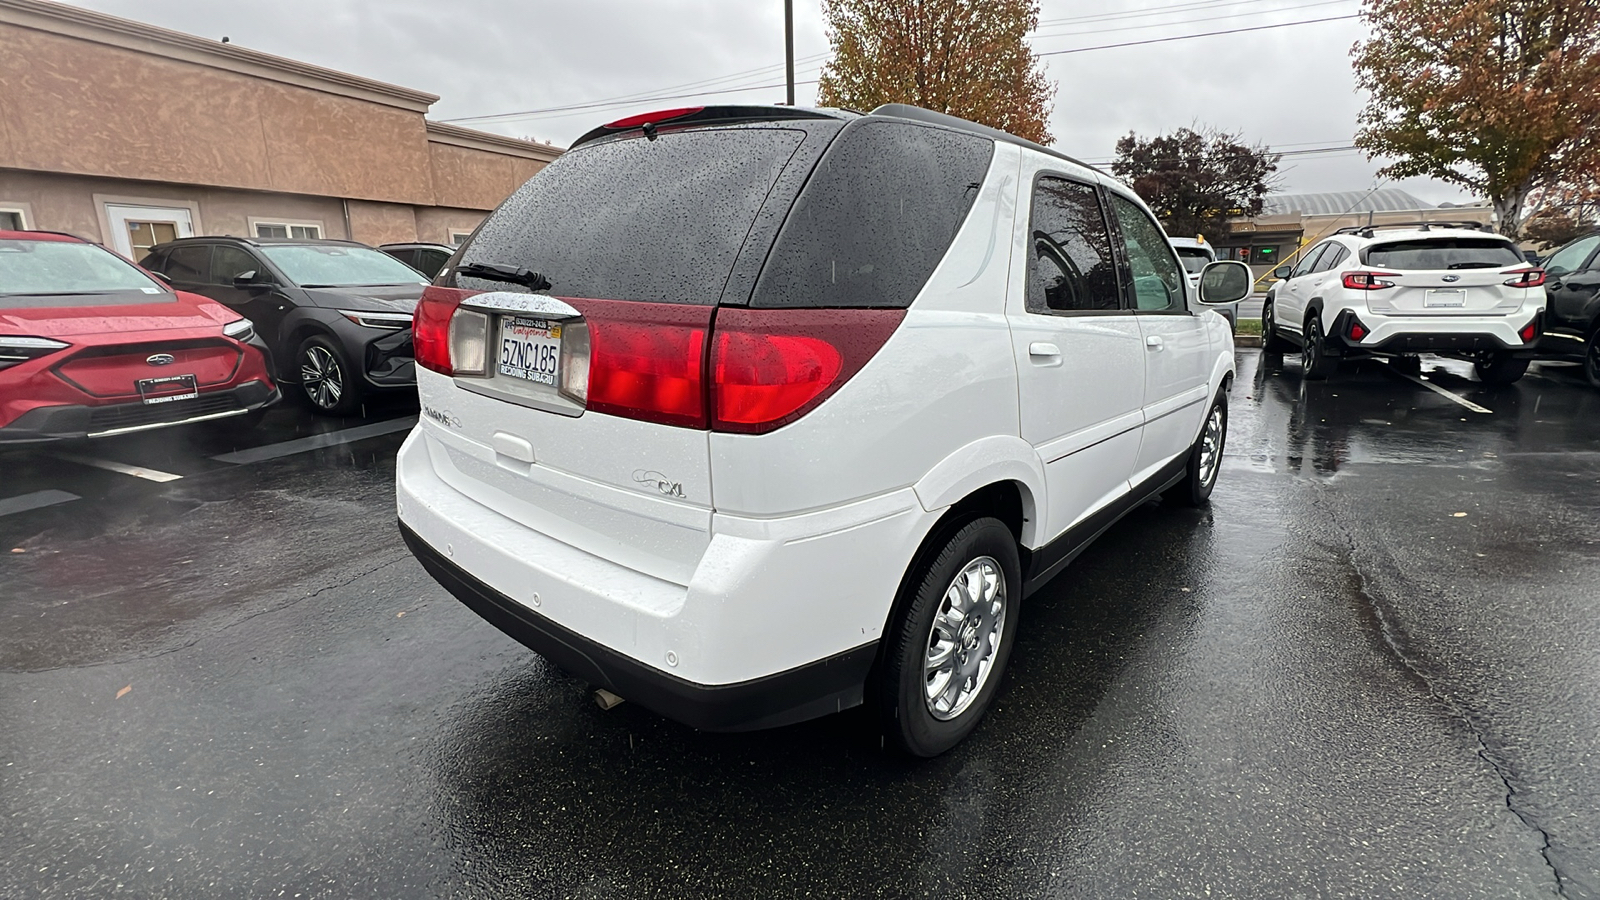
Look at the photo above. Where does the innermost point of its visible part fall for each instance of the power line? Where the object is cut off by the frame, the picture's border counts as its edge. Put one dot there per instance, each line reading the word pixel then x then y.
pixel 1311 151
pixel 1215 18
pixel 1154 11
pixel 1190 37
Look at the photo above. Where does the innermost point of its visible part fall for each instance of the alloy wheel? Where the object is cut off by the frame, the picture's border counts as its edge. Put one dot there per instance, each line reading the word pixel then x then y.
pixel 1591 360
pixel 1211 446
pixel 966 634
pixel 322 377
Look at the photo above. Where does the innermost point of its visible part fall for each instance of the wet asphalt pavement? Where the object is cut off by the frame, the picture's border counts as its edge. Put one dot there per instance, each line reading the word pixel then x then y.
pixel 1371 669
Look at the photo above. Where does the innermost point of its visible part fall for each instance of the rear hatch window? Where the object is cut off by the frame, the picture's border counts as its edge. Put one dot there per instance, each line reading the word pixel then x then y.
pixel 659 221
pixel 1443 254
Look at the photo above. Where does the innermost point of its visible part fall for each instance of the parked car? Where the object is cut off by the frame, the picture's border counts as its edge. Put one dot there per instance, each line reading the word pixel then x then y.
pixel 92 346
pixel 1396 291
pixel 1572 305
pixel 336 314
pixel 1196 254
pixel 813 437
pixel 425 258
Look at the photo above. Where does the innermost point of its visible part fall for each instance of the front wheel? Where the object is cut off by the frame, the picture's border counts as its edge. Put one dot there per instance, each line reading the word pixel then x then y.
pixel 327 377
pixel 947 648
pixel 1314 358
pixel 1205 458
pixel 1499 368
pixel 1271 340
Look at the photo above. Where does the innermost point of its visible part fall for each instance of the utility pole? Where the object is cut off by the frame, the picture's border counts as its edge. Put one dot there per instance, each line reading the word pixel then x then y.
pixel 788 45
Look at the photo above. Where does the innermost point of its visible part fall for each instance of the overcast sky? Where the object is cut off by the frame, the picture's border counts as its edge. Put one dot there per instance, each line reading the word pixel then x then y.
pixel 1291 88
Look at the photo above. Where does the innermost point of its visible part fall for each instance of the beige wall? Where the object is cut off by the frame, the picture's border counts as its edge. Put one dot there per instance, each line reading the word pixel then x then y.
pixel 435 223
pixel 382 223
pixel 476 179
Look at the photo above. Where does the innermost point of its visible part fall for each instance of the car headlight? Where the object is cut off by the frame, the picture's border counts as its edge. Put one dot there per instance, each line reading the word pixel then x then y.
pixel 241 330
pixel 17 350
pixel 387 320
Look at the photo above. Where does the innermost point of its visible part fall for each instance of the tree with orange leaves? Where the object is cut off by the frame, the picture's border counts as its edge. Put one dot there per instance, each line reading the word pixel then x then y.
pixel 1501 97
pixel 967 58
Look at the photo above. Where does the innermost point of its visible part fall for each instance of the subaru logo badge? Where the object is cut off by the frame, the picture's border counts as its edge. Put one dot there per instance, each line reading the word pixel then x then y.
pixel 1450 278
pixel 161 359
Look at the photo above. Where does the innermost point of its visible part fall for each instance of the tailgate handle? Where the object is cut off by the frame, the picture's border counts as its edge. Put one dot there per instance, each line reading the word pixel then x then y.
pixel 1043 348
pixel 510 447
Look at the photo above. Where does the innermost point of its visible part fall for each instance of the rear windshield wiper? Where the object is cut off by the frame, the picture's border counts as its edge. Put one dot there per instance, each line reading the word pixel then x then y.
pixel 508 274
pixel 1479 265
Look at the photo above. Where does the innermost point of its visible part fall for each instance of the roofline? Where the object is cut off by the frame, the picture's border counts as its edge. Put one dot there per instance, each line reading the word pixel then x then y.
pixel 918 114
pixel 472 139
pixel 258 242
pixel 87 25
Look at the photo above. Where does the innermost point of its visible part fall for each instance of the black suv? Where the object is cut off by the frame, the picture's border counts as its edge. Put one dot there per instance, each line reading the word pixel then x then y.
pixel 336 314
pixel 1572 305
pixel 425 258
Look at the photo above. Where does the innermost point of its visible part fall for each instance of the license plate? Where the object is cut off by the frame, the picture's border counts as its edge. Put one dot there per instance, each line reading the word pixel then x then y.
pixel 1444 298
pixel 168 388
pixel 530 349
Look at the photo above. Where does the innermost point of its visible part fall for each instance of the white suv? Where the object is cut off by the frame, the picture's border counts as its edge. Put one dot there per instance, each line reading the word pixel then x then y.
pixel 1399 290
pixel 751 414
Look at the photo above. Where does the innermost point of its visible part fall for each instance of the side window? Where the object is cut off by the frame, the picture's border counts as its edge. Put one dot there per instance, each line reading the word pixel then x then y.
pixel 228 263
pixel 1571 257
pixel 1332 258
pixel 155 261
pixel 1308 262
pixel 190 262
pixel 1157 280
pixel 1070 266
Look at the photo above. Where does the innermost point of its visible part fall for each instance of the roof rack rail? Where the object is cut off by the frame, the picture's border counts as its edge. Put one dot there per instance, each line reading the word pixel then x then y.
pixel 918 114
pixel 1367 230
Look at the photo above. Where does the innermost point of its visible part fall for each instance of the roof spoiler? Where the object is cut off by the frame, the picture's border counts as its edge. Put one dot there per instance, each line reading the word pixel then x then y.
pixel 699 115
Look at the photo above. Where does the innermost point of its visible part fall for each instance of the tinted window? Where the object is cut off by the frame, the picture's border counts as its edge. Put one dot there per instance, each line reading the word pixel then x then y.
pixel 1309 261
pixel 338 265
pixel 1070 266
pixel 1571 257
pixel 877 215
pixel 1444 253
pixel 402 255
pixel 429 262
pixel 1331 258
pixel 1193 258
pixel 636 219
pixel 188 262
pixel 67 267
pixel 228 263
pixel 1157 282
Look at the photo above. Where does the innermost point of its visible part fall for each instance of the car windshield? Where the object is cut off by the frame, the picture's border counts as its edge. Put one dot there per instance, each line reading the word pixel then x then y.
pixel 339 265
pixel 67 267
pixel 1444 253
pixel 1193 258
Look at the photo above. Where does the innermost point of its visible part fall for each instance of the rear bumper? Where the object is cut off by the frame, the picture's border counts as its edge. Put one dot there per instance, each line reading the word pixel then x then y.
pixel 1414 334
pixel 50 423
pixel 817 689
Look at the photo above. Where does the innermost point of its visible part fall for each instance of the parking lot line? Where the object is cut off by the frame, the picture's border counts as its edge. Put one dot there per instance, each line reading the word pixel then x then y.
pixel 1441 391
pixel 317 441
pixel 121 468
pixel 35 500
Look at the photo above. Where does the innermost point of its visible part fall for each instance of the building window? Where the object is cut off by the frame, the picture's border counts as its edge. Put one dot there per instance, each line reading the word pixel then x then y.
pixel 12 218
pixel 457 238
pixel 1264 256
pixel 300 231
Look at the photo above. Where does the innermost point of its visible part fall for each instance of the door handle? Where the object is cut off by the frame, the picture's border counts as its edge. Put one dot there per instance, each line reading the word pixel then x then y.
pixel 1154 342
pixel 1043 348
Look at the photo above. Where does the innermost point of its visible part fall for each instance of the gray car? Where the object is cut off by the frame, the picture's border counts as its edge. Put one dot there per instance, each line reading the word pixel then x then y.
pixel 336 315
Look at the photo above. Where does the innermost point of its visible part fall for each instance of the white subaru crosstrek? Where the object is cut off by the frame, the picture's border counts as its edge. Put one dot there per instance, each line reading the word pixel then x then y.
pixel 1396 291
pixel 749 415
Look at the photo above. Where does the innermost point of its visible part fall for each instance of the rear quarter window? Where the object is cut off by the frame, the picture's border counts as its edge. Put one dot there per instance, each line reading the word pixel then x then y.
pixel 1443 253
pixel 658 220
pixel 875 218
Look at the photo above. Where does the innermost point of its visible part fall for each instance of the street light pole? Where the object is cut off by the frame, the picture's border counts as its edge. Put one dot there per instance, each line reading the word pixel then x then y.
pixel 788 45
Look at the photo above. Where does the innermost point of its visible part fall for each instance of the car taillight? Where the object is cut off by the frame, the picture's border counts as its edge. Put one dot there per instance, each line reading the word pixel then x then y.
pixel 1357 330
pixel 430 328
pixel 1368 281
pixel 646 360
pixel 657 117
pixel 769 367
pixel 1530 277
pixel 1529 331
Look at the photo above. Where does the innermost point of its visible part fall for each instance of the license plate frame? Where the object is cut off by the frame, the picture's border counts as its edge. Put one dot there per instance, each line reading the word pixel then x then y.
pixel 188 388
pixel 1448 298
pixel 534 347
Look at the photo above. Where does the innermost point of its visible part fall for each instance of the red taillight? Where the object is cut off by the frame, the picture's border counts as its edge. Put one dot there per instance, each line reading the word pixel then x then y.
pixel 659 116
pixel 1368 281
pixel 647 360
pixel 1357 331
pixel 430 328
pixel 769 367
pixel 1529 331
pixel 1530 277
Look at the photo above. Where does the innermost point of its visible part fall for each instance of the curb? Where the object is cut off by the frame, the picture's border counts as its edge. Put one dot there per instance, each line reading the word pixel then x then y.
pixel 1247 340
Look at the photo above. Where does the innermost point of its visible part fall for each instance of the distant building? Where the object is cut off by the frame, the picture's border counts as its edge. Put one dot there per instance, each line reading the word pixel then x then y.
pixel 129 134
pixel 1290 222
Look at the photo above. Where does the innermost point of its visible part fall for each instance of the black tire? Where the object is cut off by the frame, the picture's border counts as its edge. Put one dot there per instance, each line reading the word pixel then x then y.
pixel 1205 458
pixel 1499 368
pixel 1410 364
pixel 900 689
pixel 327 379
pixel 1271 340
pixel 1591 360
pixel 1314 358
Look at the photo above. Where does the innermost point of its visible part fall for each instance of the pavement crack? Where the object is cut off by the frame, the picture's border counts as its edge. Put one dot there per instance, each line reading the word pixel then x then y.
pixel 1395 642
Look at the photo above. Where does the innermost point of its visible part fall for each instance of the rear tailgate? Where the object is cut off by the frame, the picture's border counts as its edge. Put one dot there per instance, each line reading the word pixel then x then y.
pixel 1445 276
pixel 640 240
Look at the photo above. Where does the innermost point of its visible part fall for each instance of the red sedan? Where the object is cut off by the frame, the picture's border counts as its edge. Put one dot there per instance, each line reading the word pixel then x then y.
pixel 91 345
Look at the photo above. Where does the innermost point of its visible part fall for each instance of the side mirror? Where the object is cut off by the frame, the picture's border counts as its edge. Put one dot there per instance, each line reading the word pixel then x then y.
pixel 1225 282
pixel 1282 273
pixel 251 280
pixel 165 281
